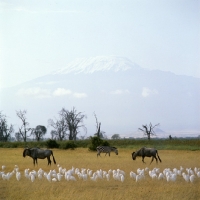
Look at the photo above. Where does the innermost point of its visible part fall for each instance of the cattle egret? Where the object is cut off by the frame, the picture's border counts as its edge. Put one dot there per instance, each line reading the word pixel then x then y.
pixel 32 177
pixel 160 176
pixel 18 176
pixel 192 177
pixel 3 167
pixel 108 177
pixel 122 177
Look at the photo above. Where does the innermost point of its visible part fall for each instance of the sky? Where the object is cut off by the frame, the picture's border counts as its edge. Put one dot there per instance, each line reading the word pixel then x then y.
pixel 38 37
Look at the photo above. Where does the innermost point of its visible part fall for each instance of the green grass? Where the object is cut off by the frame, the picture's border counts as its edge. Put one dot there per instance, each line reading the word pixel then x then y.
pixel 160 144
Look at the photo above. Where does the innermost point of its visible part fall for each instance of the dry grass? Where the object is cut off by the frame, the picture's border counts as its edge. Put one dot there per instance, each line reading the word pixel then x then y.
pixel 102 189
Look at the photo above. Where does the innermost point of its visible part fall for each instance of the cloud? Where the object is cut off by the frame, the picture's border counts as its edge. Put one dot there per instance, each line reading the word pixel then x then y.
pixel 119 92
pixel 36 92
pixel 61 92
pixel 79 95
pixel 147 92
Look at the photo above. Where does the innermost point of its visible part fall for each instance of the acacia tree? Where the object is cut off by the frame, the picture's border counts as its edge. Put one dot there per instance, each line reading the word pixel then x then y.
pixel 39 132
pixel 148 130
pixel 5 129
pixel 74 121
pixel 60 129
pixel 24 129
pixel 18 137
pixel 116 137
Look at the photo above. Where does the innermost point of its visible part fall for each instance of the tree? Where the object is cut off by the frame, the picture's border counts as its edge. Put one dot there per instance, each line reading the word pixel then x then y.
pixel 23 131
pixel 60 129
pixel 115 137
pixel 74 121
pixel 18 137
pixel 5 129
pixel 99 133
pixel 148 130
pixel 39 132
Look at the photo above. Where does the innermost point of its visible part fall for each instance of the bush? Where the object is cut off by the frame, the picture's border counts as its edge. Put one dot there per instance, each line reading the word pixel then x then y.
pixel 68 145
pixel 96 141
pixel 52 144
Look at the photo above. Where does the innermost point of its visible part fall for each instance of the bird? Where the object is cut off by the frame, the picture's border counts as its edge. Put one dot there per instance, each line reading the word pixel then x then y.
pixel 18 176
pixel 192 178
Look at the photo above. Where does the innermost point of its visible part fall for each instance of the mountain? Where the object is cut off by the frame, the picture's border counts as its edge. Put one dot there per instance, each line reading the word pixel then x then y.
pixel 122 94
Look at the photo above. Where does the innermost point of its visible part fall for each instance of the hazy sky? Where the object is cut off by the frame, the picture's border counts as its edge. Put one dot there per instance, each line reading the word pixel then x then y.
pixel 37 37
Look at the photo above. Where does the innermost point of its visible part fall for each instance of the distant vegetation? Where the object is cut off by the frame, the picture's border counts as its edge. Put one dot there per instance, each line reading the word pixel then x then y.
pixel 161 144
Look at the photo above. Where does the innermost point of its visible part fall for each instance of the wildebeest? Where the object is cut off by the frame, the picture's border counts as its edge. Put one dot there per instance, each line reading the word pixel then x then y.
pixel 146 152
pixel 37 153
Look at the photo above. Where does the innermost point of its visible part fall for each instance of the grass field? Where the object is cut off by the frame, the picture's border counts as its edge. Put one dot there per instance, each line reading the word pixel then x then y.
pixel 101 189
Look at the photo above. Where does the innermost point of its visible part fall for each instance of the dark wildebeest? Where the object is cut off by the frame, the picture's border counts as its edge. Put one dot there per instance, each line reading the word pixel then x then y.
pixel 146 152
pixel 37 153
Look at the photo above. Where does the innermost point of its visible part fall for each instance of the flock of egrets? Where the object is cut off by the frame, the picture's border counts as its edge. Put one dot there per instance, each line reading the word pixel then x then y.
pixel 75 174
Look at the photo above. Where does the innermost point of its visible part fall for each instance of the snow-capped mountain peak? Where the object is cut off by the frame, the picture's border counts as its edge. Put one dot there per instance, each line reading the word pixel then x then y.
pixel 99 63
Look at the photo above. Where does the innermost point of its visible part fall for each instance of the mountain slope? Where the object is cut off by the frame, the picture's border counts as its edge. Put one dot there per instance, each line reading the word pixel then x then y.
pixel 123 95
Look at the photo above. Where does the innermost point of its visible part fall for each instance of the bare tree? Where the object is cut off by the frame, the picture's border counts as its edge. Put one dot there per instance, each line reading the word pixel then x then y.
pixel 5 129
pixel 148 130
pixel 39 132
pixel 74 121
pixel 99 133
pixel 60 128
pixel 18 137
pixel 24 129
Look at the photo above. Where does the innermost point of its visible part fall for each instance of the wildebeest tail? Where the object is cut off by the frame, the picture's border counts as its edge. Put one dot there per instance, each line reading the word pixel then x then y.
pixel 53 158
pixel 159 157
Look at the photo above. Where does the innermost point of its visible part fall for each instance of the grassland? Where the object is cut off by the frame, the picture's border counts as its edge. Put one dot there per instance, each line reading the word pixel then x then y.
pixel 102 189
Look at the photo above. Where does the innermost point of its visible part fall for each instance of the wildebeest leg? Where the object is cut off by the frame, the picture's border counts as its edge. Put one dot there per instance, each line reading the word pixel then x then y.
pixel 49 160
pixel 143 159
pixel 158 157
pixel 152 159
pixel 109 153
pixel 34 161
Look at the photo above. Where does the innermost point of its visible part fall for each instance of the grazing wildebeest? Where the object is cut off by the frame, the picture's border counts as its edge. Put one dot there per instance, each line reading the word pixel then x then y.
pixel 146 152
pixel 37 153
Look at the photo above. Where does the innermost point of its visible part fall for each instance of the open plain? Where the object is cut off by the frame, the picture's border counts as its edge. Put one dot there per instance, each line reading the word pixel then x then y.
pixel 81 158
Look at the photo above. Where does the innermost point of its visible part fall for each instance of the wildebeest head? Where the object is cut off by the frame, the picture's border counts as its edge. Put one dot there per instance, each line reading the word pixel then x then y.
pixel 133 155
pixel 26 152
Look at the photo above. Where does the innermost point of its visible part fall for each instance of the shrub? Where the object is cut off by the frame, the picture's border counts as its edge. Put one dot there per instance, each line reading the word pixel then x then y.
pixel 68 145
pixel 52 144
pixel 96 141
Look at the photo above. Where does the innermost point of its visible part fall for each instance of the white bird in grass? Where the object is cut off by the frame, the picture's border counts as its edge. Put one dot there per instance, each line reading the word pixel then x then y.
pixel 192 178
pixel 108 177
pixel 186 177
pixel 59 176
pixel 132 174
pixel 122 177
pixel 161 176
pixel 18 176
pixel 138 177
pixel 3 167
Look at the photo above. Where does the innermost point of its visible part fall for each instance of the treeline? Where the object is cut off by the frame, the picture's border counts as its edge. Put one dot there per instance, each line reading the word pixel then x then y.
pixel 90 144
